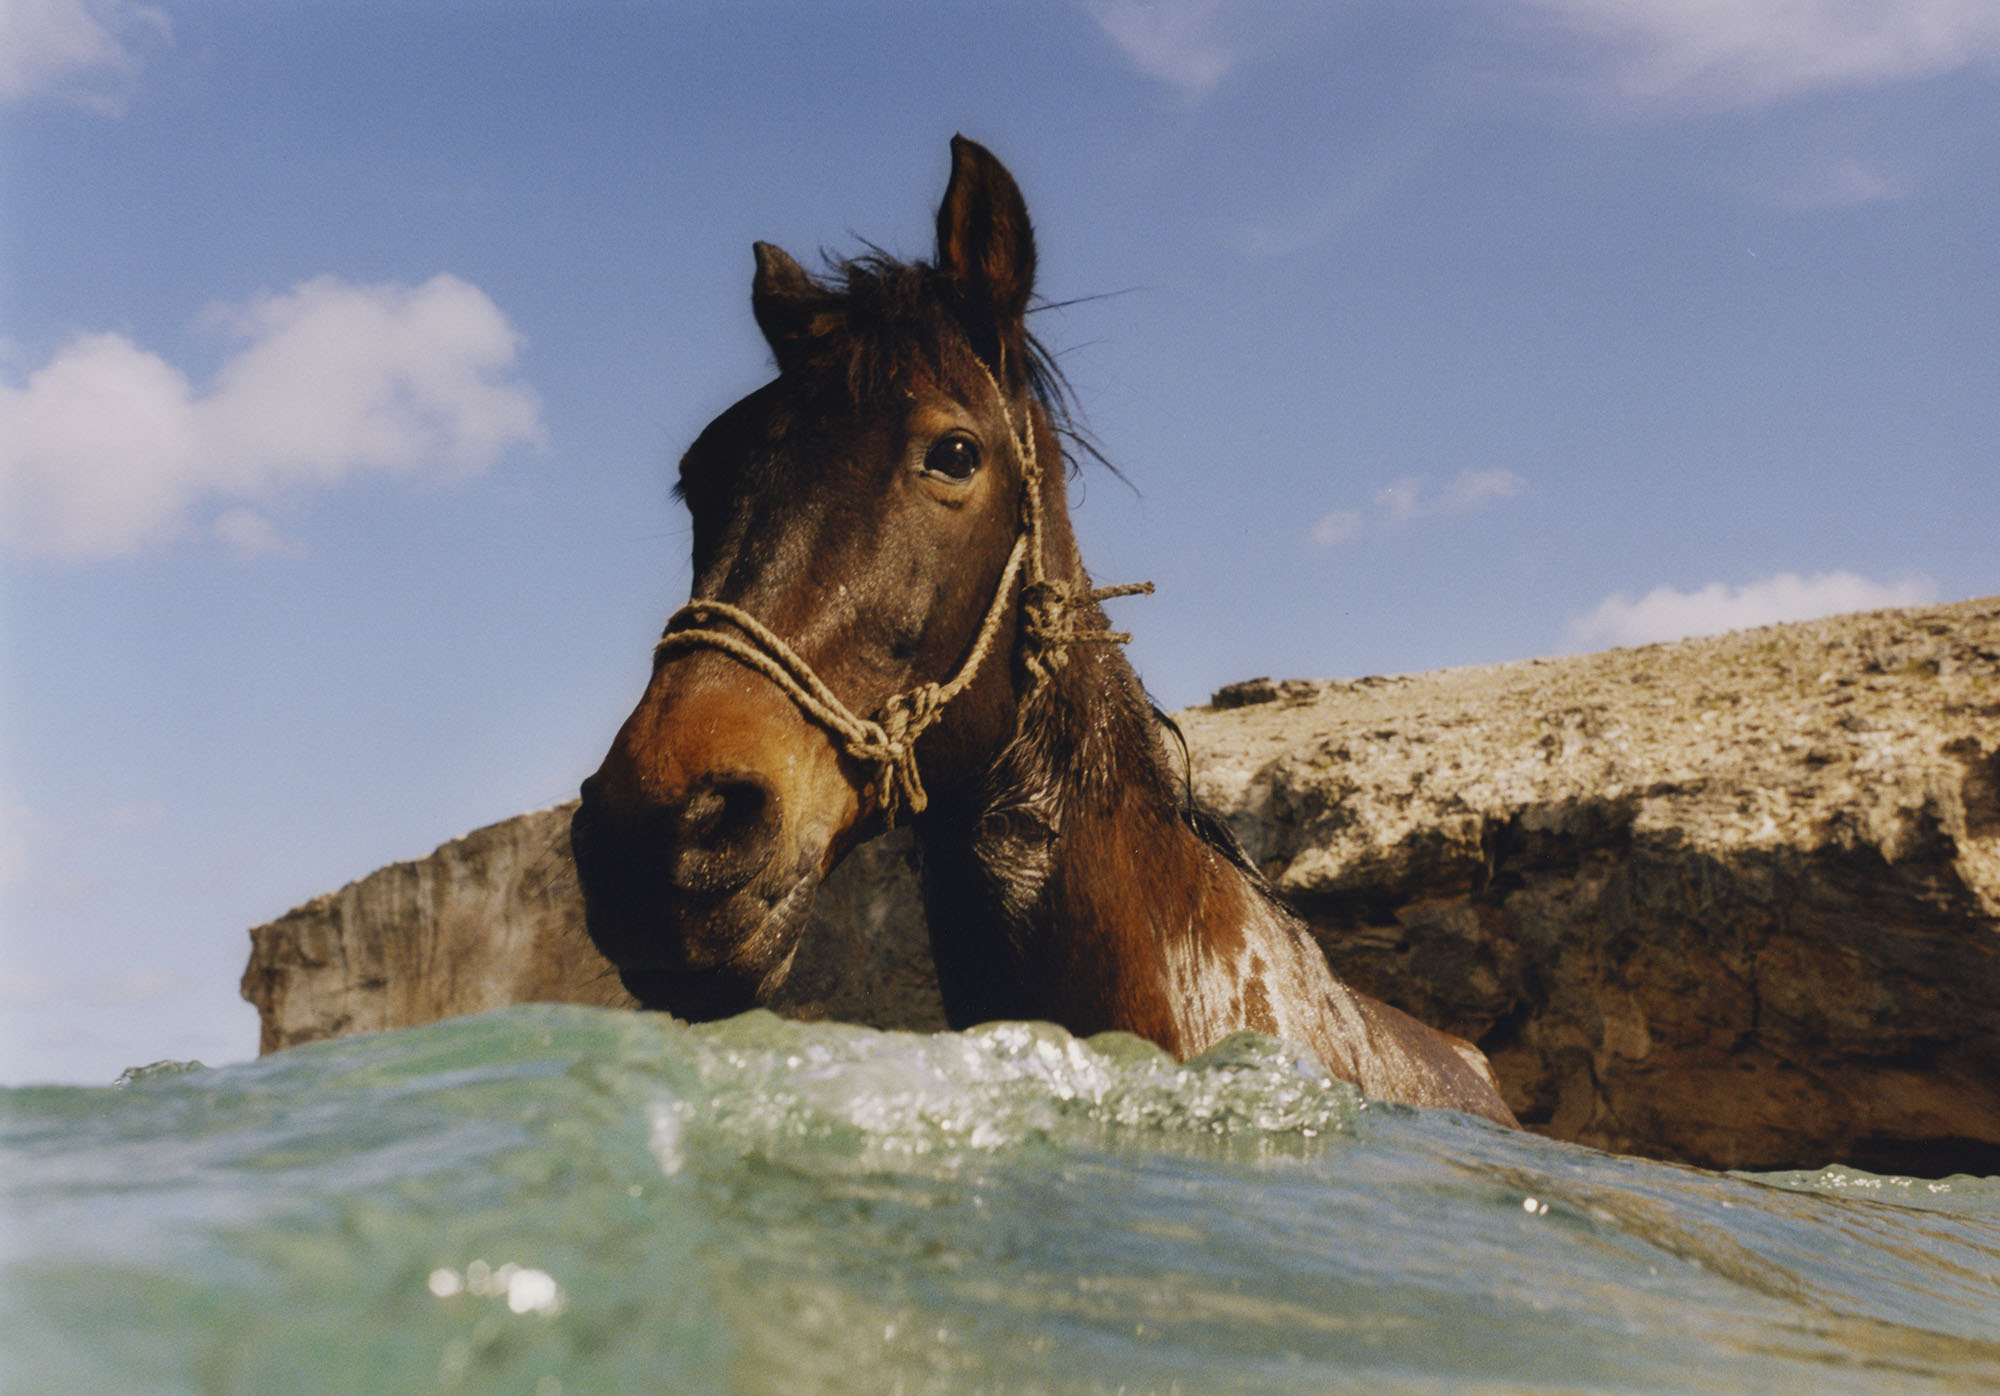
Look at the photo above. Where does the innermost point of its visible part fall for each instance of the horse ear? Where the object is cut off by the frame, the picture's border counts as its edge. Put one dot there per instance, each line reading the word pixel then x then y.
pixel 786 303
pixel 985 247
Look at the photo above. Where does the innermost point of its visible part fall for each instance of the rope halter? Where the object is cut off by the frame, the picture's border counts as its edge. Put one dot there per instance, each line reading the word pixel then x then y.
pixel 1049 625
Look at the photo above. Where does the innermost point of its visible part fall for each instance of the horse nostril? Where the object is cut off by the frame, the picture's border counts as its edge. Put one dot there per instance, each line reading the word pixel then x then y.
pixel 723 809
pixel 725 831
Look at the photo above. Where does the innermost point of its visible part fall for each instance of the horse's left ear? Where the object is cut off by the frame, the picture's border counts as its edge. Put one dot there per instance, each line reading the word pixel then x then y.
pixel 985 248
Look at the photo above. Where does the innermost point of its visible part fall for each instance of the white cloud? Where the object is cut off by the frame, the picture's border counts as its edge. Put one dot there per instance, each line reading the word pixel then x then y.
pixel 1401 499
pixel 1177 41
pixel 1410 498
pixel 1337 527
pixel 249 534
pixel 81 51
pixel 108 448
pixel 1677 53
pixel 1471 488
pixel 1748 52
pixel 1667 614
pixel 1841 183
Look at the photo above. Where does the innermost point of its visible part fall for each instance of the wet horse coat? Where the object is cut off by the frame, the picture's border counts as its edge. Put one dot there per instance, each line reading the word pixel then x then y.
pixel 891 620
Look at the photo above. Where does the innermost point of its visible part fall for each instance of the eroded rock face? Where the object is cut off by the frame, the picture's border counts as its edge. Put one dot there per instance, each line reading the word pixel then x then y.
pixel 1734 901
pixel 496 918
pixel 485 921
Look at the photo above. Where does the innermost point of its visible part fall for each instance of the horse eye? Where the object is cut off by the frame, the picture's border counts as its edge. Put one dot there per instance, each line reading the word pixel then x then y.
pixel 954 457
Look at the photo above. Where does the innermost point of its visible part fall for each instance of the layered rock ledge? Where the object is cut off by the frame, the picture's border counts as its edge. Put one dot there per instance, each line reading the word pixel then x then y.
pixel 1734 900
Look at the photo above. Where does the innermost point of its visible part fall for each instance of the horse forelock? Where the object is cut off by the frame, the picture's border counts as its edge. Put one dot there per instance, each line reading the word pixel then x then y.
pixel 890 317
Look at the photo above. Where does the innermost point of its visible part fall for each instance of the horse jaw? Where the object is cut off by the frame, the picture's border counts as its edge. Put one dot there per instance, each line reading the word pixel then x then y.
pixel 761 963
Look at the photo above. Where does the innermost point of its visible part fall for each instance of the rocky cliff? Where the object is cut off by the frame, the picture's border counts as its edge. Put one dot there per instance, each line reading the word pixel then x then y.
pixel 1734 901
pixel 487 920
pixel 496 918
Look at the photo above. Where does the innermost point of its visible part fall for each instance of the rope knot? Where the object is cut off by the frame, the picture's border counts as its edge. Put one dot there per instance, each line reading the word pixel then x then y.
pixel 905 716
pixel 892 747
pixel 1053 619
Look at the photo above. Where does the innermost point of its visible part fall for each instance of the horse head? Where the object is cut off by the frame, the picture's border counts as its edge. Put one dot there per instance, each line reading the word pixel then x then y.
pixel 860 527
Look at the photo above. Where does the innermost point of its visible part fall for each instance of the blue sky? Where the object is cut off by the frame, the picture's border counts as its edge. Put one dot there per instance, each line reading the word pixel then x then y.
pixel 346 350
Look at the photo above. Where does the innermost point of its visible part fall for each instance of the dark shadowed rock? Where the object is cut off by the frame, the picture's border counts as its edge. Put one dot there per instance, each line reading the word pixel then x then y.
pixel 1735 900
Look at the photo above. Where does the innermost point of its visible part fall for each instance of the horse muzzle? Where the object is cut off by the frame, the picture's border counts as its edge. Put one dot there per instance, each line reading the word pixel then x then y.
pixel 700 841
pixel 693 902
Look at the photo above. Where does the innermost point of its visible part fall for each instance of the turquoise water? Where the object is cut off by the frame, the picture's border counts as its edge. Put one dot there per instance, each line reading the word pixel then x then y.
pixel 563 1200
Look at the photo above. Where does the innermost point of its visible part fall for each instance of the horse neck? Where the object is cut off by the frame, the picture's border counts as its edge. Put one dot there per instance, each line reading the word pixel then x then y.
pixel 1069 883
pixel 1063 879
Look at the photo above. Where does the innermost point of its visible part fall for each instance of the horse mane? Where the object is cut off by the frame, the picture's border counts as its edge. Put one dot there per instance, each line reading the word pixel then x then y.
pixel 888 309
pixel 1208 826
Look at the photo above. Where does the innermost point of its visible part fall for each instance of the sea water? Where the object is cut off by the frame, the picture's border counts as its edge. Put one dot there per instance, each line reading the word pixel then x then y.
pixel 562 1200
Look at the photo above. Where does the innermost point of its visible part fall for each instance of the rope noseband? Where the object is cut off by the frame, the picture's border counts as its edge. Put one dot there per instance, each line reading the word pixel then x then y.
pixel 1049 626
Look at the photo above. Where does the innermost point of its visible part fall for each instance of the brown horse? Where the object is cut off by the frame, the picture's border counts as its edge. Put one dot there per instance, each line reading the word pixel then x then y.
pixel 882 530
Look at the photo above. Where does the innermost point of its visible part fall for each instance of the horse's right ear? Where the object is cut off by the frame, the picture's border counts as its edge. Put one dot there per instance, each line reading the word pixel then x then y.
pixel 789 307
pixel 985 248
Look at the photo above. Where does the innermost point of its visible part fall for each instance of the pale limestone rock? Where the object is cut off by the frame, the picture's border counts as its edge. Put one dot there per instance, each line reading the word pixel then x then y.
pixel 487 920
pixel 495 918
pixel 1734 900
